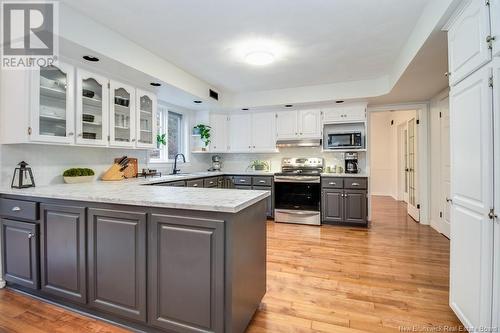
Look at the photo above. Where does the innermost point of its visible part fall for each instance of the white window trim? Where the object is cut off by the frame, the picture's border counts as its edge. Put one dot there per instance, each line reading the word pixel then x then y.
pixel 185 138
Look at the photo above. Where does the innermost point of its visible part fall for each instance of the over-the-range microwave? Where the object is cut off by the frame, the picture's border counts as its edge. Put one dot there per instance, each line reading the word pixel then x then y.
pixel 345 140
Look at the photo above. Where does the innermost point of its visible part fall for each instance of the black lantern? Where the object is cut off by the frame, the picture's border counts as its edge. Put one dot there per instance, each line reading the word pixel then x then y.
pixel 23 177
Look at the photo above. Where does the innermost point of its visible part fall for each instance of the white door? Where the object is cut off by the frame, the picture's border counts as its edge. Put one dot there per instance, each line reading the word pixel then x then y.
pixel 122 117
pixel 495 25
pixel 496 136
pixel 310 124
pixel 412 141
pixel 146 107
pixel 407 169
pixel 287 125
pixel 264 132
pixel 219 135
pixel 402 156
pixel 444 108
pixel 240 133
pixel 467 46
pixel 92 109
pixel 471 230
pixel 52 112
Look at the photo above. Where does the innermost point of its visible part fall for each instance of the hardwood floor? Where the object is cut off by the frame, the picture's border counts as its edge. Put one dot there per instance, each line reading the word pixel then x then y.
pixel 392 277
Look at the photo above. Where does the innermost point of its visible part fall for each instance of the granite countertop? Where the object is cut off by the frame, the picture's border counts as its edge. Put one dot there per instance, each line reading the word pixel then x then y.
pixel 133 192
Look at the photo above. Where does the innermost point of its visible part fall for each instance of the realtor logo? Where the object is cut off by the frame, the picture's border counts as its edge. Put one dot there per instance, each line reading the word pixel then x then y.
pixel 29 34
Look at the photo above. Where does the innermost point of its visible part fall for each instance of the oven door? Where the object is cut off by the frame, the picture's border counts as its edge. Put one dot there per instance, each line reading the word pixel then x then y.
pixel 297 201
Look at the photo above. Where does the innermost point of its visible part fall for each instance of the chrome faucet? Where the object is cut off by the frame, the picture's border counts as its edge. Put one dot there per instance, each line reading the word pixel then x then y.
pixel 175 170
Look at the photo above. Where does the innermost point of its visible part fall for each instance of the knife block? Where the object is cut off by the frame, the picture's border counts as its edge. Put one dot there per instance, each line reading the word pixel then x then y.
pixel 113 173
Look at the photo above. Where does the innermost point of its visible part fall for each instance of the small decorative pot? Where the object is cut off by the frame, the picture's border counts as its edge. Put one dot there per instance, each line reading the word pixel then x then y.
pixel 78 180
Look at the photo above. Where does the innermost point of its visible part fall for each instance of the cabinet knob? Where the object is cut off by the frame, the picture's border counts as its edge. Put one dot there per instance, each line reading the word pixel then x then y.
pixel 332 183
pixel 195 185
pixel 71 134
pixel 16 209
pixel 133 140
pixel 31 235
pixel 249 146
pixel 300 133
pixel 80 135
pixel 262 181
pixel 355 184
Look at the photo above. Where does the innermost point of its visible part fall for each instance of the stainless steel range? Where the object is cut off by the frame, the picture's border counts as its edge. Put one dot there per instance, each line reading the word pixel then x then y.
pixel 298 191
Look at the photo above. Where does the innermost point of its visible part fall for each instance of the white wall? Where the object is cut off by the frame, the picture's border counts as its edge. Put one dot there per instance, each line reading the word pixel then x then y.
pixel 384 150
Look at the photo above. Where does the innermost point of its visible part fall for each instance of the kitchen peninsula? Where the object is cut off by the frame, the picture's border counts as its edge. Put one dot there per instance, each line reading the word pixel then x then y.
pixel 153 258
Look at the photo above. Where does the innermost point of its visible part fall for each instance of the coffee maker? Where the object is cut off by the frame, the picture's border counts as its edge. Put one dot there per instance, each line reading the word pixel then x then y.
pixel 351 162
pixel 216 163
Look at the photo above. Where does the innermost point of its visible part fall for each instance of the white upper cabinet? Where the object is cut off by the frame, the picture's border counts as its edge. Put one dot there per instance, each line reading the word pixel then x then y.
pixel 92 109
pixel 52 104
pixel 309 124
pixel 495 25
pixel 345 113
pixel 146 106
pixel 287 125
pixel 468 48
pixel 122 115
pixel 471 229
pixel 264 131
pixel 219 133
pixel 240 133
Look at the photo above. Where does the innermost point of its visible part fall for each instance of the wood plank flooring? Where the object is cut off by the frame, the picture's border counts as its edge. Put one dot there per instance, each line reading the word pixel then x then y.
pixel 392 277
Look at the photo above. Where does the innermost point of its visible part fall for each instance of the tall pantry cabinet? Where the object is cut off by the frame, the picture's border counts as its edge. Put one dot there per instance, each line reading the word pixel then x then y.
pixel 475 163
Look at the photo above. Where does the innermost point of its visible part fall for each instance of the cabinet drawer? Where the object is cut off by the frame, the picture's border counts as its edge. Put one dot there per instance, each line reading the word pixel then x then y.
pixel 27 210
pixel 194 183
pixel 262 181
pixel 242 180
pixel 356 183
pixel 332 183
pixel 211 182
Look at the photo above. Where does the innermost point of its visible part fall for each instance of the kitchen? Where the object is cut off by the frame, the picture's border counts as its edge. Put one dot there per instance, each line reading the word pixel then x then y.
pixel 156 190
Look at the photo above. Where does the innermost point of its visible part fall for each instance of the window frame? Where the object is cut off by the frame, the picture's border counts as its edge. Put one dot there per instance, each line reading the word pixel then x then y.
pixel 184 135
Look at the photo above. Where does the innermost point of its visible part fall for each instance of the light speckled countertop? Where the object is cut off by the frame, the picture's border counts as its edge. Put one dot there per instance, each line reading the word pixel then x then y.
pixel 136 192
pixel 328 174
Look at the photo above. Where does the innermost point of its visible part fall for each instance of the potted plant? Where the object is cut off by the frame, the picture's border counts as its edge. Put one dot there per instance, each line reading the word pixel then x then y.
pixel 161 139
pixel 259 165
pixel 78 175
pixel 204 132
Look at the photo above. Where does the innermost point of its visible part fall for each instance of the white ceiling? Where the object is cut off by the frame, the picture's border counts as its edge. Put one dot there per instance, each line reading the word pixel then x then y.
pixel 323 41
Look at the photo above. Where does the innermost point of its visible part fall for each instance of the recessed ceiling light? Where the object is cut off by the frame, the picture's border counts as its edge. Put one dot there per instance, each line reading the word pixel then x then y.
pixel 339 102
pixel 91 58
pixel 197 102
pixel 289 105
pixel 259 58
pixel 245 109
pixel 155 84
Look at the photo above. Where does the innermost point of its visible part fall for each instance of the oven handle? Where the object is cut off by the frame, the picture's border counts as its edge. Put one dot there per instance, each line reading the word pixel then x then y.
pixel 297 212
pixel 279 179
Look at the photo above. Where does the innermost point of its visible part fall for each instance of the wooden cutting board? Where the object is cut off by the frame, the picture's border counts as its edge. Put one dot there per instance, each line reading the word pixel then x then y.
pixel 132 169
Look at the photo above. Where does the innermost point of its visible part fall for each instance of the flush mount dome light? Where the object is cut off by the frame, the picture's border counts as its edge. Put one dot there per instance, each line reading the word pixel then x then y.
pixel 259 58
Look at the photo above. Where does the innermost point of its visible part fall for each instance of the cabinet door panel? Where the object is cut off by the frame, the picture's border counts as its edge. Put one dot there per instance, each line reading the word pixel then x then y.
pixel 219 133
pixel 310 124
pixel 467 47
pixel 240 133
pixel 333 207
pixel 264 131
pixel 146 119
pixel 269 200
pixel 52 113
pixel 92 109
pixel 471 231
pixel 117 262
pixel 355 205
pixel 20 253
pixel 186 273
pixel 495 25
pixel 287 125
pixel 122 115
pixel 63 258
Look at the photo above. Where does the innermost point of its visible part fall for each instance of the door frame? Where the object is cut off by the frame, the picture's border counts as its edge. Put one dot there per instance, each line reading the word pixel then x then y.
pixel 422 115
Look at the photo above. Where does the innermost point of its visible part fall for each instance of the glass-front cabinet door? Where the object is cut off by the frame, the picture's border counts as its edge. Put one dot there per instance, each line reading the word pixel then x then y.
pixel 122 115
pixel 146 119
pixel 52 116
pixel 92 109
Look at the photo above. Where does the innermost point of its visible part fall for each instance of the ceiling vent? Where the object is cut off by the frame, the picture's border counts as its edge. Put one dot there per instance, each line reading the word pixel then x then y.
pixel 213 94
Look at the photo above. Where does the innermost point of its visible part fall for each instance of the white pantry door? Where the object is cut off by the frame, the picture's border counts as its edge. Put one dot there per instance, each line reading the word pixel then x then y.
pixel 471 249
pixel 444 107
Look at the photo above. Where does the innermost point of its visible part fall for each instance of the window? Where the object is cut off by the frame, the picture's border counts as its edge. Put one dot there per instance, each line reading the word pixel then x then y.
pixel 170 123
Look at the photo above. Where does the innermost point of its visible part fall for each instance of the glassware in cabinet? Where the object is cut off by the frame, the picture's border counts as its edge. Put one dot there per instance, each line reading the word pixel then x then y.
pixel 122 118
pixel 146 119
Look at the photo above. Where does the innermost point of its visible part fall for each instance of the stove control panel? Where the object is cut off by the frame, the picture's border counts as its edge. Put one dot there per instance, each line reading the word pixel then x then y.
pixel 302 162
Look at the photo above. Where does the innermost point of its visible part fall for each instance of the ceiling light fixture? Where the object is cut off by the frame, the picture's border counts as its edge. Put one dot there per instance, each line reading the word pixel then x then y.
pixel 289 105
pixel 90 58
pixel 339 102
pixel 259 58
pixel 197 102
pixel 245 109
pixel 155 84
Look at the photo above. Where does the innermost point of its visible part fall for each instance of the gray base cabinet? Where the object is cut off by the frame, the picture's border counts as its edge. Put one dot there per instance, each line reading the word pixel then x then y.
pixel 186 273
pixel 344 200
pixel 20 253
pixel 63 263
pixel 117 262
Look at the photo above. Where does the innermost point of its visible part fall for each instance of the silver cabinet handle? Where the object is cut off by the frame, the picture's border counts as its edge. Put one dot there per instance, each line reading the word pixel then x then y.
pixel 242 180
pixel 195 185
pixel 211 183
pixel 16 209
pixel 262 181
pixel 332 183
pixel 355 184
pixel 31 235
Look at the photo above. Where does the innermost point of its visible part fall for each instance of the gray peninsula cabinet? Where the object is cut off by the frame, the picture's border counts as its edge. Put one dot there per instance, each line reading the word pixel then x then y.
pixel 151 269
pixel 344 200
